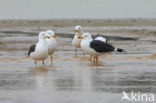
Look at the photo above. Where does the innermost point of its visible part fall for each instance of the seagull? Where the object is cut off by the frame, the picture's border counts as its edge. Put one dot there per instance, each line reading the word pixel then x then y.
pixel 39 51
pixel 76 41
pixel 95 47
pixel 51 42
pixel 78 29
pixel 78 32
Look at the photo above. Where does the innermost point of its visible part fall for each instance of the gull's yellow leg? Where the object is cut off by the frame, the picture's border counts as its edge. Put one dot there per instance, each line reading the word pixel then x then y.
pixel 94 59
pixel 51 60
pixel 90 58
pixel 97 62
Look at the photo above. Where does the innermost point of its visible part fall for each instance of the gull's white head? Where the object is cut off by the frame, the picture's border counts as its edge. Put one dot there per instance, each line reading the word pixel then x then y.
pixel 85 36
pixel 41 35
pixel 78 29
pixel 50 34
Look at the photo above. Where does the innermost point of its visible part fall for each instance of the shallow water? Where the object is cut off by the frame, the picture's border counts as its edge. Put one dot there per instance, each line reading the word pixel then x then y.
pixel 74 79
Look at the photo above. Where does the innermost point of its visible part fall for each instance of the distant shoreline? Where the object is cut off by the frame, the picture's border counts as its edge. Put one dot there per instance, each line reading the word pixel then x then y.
pixel 73 22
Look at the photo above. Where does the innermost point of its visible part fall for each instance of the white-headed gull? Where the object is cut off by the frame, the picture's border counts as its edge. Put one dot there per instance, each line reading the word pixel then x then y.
pixel 39 51
pixel 52 44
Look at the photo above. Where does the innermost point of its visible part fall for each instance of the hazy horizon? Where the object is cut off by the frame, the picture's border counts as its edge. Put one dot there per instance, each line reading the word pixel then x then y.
pixel 77 9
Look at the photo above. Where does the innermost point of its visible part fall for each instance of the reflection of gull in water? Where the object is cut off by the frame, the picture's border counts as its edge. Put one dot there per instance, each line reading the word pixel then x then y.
pixel 125 96
pixel 41 69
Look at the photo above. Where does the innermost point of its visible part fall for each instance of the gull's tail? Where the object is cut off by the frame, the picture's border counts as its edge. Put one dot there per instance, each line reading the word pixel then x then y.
pixel 119 50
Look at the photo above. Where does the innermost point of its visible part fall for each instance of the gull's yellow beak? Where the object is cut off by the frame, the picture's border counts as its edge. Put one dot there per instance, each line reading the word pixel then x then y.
pixel 76 31
pixel 80 37
pixel 54 36
pixel 47 37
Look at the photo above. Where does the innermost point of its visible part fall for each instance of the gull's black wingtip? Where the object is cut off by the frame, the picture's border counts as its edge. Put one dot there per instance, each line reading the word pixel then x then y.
pixel 120 50
pixel 31 49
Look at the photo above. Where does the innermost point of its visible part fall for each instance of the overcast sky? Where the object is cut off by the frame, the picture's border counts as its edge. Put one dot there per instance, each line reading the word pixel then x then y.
pixel 77 9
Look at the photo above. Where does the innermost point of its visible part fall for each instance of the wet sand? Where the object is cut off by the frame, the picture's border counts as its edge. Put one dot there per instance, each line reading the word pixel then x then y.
pixel 75 79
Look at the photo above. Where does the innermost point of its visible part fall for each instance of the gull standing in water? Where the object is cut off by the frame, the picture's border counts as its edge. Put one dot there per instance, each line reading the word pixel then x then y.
pixel 76 41
pixel 79 32
pixel 39 51
pixel 52 44
pixel 96 47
